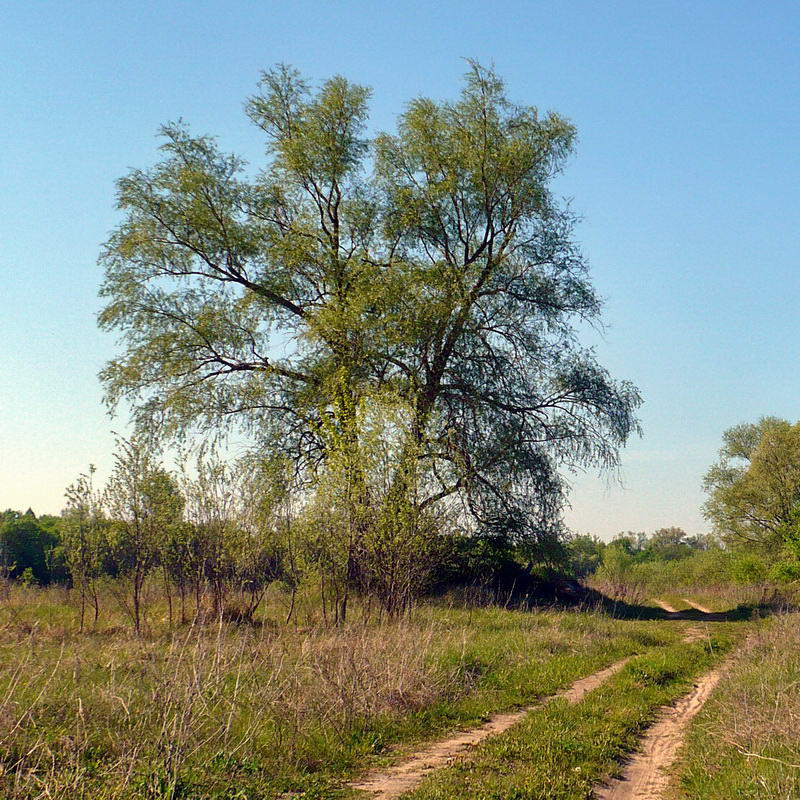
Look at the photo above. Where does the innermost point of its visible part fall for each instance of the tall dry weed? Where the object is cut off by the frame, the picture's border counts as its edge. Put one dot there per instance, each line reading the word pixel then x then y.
pixel 760 709
pixel 130 712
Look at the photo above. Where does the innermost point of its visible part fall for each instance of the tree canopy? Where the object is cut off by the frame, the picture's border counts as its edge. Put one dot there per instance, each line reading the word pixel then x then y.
pixel 421 287
pixel 754 488
pixel 30 547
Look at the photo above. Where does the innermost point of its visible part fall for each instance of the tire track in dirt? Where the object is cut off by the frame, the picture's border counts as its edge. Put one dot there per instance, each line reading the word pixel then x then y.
pixel 697 606
pixel 407 775
pixel 645 776
pixel 666 606
pixel 404 777
pixel 696 613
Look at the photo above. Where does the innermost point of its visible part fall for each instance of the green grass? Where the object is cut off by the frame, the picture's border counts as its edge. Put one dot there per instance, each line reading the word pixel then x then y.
pixel 560 751
pixel 221 711
pixel 756 711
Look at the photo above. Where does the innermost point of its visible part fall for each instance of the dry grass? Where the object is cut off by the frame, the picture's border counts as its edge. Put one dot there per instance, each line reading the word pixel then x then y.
pixel 97 710
pixel 633 591
pixel 761 708
pixel 718 597
pixel 746 743
pixel 721 597
pixel 208 711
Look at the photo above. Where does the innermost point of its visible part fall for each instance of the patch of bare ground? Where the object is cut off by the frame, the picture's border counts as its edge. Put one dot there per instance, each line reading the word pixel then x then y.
pixel 666 606
pixel 405 776
pixel 693 604
pixel 645 777
pixel 695 634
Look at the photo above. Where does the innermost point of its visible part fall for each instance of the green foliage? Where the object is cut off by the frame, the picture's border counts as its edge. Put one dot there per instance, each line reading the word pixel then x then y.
pixel 484 560
pixel 30 546
pixel 748 568
pixel 85 545
pixel 669 544
pixel 423 284
pixel 785 572
pixel 231 539
pixel 27 578
pixel 213 532
pixel 143 502
pixel 754 489
pixel 585 554
pixel 669 560
pixel 754 500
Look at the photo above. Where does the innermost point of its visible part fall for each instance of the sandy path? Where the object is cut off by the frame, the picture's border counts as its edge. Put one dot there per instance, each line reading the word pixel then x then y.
pixel 697 606
pixel 405 776
pixel 666 606
pixel 645 777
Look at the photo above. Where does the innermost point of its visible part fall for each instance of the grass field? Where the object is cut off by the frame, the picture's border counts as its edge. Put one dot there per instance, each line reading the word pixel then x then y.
pixel 220 711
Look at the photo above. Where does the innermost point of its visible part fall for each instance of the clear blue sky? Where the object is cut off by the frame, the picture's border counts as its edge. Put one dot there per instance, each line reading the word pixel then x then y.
pixel 686 174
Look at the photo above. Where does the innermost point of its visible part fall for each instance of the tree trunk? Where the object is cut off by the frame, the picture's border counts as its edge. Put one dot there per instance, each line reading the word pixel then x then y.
pixel 169 597
pixel 96 602
pixel 182 591
pixel 83 602
pixel 291 605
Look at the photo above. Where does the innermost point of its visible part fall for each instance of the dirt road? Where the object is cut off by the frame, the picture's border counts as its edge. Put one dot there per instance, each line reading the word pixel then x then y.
pixel 646 774
pixel 645 777
pixel 693 604
pixel 405 776
pixel 666 606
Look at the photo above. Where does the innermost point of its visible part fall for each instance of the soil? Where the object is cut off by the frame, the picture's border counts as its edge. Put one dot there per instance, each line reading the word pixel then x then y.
pixel 666 606
pixel 697 606
pixel 645 776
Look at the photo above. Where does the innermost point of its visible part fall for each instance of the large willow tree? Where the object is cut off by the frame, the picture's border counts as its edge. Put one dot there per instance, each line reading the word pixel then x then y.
pixel 419 289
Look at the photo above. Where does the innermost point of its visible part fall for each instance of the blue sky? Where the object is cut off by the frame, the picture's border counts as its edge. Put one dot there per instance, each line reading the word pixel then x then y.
pixel 686 175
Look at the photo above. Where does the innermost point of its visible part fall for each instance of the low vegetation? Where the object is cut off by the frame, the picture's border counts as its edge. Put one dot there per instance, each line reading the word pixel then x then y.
pixel 561 752
pixel 223 710
pixel 745 743
pixel 634 568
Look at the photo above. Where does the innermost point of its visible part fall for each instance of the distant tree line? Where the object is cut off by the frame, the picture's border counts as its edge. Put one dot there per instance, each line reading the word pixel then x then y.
pixel 666 556
pixel 31 548
pixel 753 505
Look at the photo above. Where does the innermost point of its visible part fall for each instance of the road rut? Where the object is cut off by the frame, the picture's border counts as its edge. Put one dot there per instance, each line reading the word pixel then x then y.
pixel 407 775
pixel 404 777
pixel 645 777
